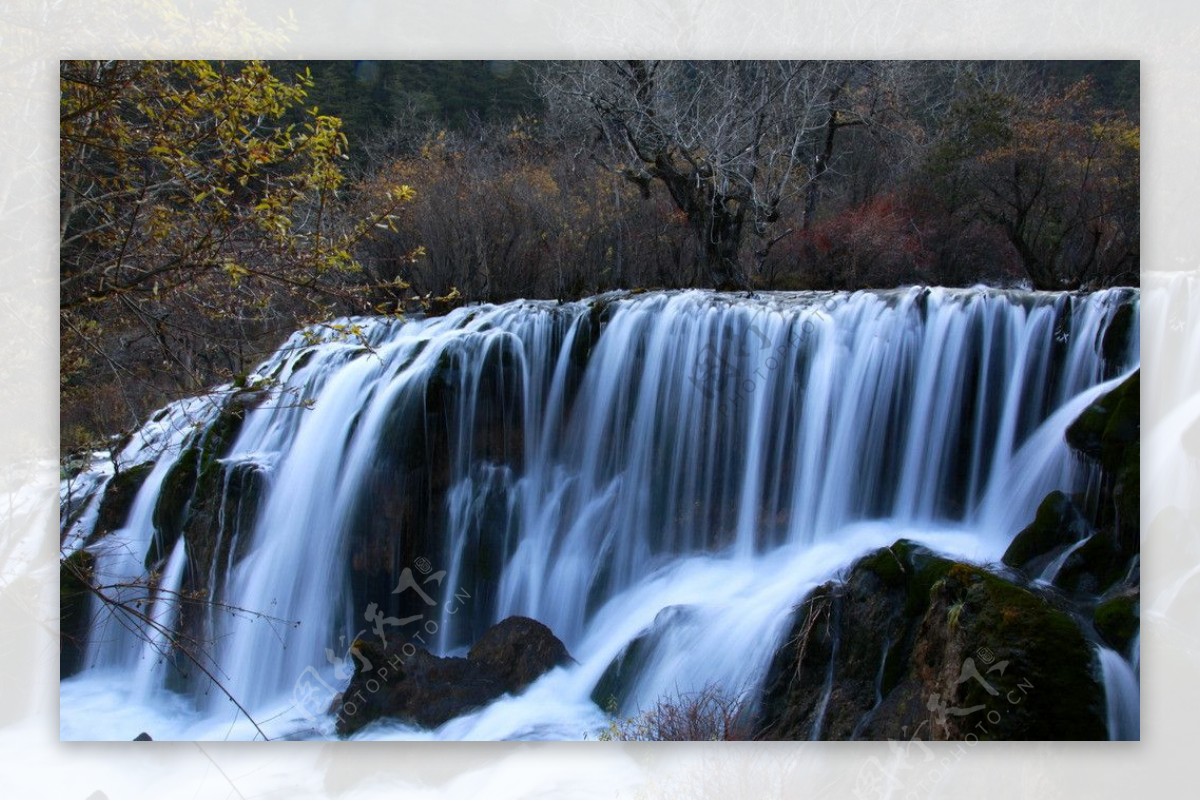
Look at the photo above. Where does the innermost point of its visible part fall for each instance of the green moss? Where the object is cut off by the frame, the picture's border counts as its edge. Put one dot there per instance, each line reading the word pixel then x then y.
pixel 171 508
pixel 928 569
pixel 1107 428
pixel 1058 522
pixel 191 490
pixel 1123 427
pixel 1117 620
pixel 1045 650
pixel 885 564
pixel 908 565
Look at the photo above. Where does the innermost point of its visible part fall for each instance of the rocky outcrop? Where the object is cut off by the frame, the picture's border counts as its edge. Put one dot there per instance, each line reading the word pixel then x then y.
pixel 612 691
pixel 402 509
pixel 118 498
pixel 1107 434
pixel 517 651
pixel 412 685
pixel 1058 525
pixel 74 579
pixel 913 645
pixel 1117 617
pixel 206 501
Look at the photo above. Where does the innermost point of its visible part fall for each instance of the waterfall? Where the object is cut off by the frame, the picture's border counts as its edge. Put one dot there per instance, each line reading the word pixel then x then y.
pixel 1121 695
pixel 591 465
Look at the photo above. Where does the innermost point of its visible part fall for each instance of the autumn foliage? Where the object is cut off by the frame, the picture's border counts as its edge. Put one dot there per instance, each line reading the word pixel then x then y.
pixel 200 221
pixel 208 209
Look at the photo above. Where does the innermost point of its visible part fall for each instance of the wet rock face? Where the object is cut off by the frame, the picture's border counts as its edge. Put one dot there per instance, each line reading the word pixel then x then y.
pixel 118 499
pixel 1117 618
pixel 1105 541
pixel 915 645
pixel 1058 524
pixel 402 512
pixel 75 576
pixel 417 687
pixel 1108 434
pixel 202 504
pixel 612 692
pixel 517 651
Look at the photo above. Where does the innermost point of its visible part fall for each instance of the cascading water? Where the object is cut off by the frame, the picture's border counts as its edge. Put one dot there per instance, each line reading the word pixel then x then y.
pixel 680 467
pixel 1121 695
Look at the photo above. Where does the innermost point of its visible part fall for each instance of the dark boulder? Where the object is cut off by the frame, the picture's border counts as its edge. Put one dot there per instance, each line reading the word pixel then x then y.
pixel 913 645
pixel 1058 524
pixel 518 650
pixel 412 685
pixel 1117 619
pixel 1099 564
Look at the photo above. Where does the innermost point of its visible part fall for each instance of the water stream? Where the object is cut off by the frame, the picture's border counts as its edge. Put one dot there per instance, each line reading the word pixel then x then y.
pixel 591 465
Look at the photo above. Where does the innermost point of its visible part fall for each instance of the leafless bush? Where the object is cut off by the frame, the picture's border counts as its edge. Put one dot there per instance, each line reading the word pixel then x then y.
pixel 710 713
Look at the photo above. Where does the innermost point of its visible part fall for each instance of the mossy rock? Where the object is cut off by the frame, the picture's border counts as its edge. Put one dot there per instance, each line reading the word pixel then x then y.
pixel 1096 566
pixel 1107 428
pixel 1034 676
pixel 1109 432
pixel 74 599
pixel 171 508
pixel 1058 523
pixel 119 495
pixel 191 490
pixel 1117 619
pixel 908 565
pixel 886 564
pixel 896 637
pixel 865 626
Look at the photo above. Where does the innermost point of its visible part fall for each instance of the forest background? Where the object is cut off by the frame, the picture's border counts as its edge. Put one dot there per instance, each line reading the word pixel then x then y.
pixel 209 209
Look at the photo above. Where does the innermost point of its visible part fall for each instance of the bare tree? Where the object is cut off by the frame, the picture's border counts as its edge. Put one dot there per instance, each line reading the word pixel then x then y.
pixel 731 141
